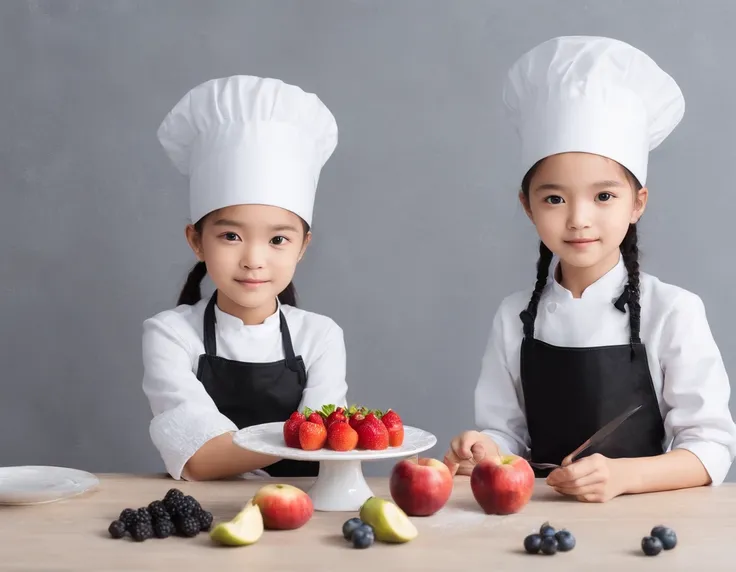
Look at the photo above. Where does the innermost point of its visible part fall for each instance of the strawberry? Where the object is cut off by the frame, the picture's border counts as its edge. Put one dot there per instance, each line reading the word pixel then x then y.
pixel 336 416
pixel 341 436
pixel 316 418
pixel 291 429
pixel 356 419
pixel 312 436
pixel 372 434
pixel 395 427
pixel 396 437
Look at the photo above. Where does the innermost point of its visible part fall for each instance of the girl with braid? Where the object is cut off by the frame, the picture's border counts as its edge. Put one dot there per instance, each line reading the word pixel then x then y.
pixel 596 336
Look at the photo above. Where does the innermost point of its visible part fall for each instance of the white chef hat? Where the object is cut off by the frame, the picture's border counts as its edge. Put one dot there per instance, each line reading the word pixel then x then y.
pixel 249 140
pixel 594 95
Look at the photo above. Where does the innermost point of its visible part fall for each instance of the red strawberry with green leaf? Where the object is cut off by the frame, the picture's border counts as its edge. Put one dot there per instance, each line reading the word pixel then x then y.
pixel 395 427
pixel 341 436
pixel 291 429
pixel 316 417
pixel 335 416
pixel 372 434
pixel 312 436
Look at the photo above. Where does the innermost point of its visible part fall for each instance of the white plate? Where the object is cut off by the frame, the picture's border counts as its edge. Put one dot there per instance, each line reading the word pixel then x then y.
pixel 268 439
pixel 38 484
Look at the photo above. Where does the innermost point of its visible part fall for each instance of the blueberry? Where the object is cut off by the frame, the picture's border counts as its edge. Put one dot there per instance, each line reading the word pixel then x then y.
pixel 363 536
pixel 651 545
pixel 666 536
pixel 350 526
pixel 549 545
pixel 565 540
pixel 533 543
pixel 547 530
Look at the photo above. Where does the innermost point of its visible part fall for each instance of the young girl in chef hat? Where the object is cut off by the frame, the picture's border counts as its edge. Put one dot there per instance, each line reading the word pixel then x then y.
pixel 596 337
pixel 252 149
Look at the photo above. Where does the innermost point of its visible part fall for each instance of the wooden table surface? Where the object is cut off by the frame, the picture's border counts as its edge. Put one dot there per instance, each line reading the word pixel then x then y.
pixel 72 534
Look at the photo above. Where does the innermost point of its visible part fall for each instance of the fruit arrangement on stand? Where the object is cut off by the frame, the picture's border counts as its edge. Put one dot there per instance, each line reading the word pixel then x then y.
pixel 341 429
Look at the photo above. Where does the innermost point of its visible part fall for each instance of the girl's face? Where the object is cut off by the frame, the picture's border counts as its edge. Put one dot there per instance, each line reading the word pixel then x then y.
pixel 582 205
pixel 251 252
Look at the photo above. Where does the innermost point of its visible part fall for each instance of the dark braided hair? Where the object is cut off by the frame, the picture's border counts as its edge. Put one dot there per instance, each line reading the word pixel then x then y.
pixel 629 251
pixel 191 293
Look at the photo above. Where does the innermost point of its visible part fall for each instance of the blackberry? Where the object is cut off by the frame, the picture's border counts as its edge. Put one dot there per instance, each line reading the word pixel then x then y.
pixel 172 506
pixel 117 529
pixel 188 506
pixel 163 528
pixel 205 519
pixel 173 494
pixel 142 531
pixel 128 517
pixel 158 511
pixel 187 525
pixel 144 515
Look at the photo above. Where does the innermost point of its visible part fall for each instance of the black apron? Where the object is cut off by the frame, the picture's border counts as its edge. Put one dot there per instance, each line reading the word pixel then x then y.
pixel 254 393
pixel 570 393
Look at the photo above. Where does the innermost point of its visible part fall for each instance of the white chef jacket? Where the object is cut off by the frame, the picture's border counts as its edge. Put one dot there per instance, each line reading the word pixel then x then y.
pixel 688 373
pixel 184 415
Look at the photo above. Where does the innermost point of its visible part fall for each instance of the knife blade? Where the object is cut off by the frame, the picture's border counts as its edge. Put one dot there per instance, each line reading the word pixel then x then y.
pixel 599 436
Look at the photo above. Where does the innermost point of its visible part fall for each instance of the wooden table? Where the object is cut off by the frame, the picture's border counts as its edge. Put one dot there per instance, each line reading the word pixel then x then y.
pixel 72 534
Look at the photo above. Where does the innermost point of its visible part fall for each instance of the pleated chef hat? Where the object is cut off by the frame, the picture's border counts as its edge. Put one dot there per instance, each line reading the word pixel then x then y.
pixel 249 140
pixel 594 95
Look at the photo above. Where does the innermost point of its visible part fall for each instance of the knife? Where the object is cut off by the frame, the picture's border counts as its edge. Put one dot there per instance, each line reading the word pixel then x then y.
pixel 597 438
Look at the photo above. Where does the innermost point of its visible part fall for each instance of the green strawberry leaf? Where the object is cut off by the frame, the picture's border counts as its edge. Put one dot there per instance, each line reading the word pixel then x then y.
pixel 307 412
pixel 327 409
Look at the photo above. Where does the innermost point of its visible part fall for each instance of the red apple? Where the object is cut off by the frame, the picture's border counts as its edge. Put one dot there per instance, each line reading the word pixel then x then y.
pixel 420 487
pixel 502 485
pixel 283 507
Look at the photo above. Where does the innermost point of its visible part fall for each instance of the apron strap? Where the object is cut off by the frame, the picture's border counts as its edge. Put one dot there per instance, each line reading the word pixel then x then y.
pixel 286 337
pixel 210 339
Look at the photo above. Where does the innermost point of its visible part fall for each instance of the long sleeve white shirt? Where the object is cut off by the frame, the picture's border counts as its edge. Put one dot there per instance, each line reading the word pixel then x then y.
pixel 184 415
pixel 689 377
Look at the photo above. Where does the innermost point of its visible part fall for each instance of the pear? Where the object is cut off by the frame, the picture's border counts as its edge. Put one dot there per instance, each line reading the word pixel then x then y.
pixel 389 522
pixel 246 528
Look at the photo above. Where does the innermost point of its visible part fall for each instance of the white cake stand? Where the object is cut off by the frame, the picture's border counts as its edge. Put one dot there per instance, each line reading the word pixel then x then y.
pixel 340 484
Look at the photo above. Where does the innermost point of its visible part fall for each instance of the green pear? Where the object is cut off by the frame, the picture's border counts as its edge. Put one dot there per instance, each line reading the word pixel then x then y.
pixel 389 522
pixel 246 528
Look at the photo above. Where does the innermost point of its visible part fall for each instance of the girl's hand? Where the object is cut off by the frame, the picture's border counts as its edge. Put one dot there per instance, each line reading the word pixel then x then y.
pixel 467 450
pixel 591 479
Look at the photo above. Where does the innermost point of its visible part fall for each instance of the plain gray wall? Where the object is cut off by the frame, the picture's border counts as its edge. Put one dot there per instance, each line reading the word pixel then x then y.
pixel 418 235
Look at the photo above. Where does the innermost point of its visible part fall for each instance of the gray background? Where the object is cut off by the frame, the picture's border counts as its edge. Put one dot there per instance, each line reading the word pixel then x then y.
pixel 418 235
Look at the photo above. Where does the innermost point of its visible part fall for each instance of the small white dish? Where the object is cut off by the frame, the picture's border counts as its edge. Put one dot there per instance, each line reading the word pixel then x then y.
pixel 34 484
